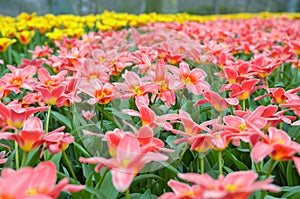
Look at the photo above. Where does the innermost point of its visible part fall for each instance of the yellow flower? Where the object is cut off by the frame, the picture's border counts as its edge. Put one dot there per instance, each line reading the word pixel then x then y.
pixel 25 36
pixel 56 35
pixel 5 42
pixel 26 16
pixel 8 31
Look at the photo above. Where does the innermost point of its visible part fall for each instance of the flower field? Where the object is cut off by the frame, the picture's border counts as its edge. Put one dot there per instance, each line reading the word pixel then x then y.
pixel 150 106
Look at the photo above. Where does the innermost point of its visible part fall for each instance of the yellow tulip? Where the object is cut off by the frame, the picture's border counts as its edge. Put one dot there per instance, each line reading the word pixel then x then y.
pixel 25 36
pixel 5 42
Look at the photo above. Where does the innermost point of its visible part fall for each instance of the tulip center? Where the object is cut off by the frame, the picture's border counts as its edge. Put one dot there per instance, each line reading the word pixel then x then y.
pixel 243 127
pixel 231 188
pixel 31 192
pixel 137 91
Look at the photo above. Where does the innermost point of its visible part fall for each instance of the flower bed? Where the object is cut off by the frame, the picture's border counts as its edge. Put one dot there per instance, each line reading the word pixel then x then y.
pixel 169 106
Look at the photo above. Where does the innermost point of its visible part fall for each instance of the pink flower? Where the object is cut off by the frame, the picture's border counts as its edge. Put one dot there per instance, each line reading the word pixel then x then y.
pixel 46 80
pixel 31 136
pixel 19 78
pixel 88 114
pixel 53 96
pixel 15 116
pixel 162 78
pixel 182 191
pixel 278 145
pixel 242 91
pixel 101 92
pixel 38 182
pixel 129 160
pixel 90 70
pixel 149 117
pixel 40 51
pixel 134 86
pixel 192 79
pixel 293 104
pixel 57 141
pixel 236 185
pixel 219 103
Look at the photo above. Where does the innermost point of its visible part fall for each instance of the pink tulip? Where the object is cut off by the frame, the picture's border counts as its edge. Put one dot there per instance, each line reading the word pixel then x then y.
pixel 129 160
pixel 219 103
pixel 14 115
pixel 38 182
pixel 134 86
pixel 88 114
pixel 278 145
pixel 101 92
pixel 242 91
pixel 236 185
pixel 31 135
pixel 193 79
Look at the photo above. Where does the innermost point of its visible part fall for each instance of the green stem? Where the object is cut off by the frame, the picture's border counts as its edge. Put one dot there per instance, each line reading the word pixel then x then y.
pixel 24 160
pixel 281 72
pixel 9 56
pixel 69 165
pixel 231 109
pixel 127 194
pixel 71 118
pixel 102 116
pixel 180 98
pixel 280 125
pixel 220 162
pixel 201 163
pixel 244 105
pixel 98 185
pixel 297 70
pixel 17 155
pixel 270 168
pixel 221 118
pixel 255 163
pixel 47 120
pixel 181 156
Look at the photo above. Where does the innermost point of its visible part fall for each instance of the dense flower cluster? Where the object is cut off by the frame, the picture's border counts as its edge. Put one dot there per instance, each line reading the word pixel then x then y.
pixel 149 99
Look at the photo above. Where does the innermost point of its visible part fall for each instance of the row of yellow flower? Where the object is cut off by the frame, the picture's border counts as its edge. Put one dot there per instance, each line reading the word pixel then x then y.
pixel 23 26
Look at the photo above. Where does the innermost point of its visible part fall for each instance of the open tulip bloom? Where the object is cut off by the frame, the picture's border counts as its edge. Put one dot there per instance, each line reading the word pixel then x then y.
pixel 151 106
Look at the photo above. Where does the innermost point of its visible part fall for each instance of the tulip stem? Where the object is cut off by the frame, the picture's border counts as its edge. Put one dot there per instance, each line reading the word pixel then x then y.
pixel 47 120
pixel 221 117
pixel 296 76
pixel 270 168
pixel 17 156
pixel 9 57
pixel 127 194
pixel 98 185
pixel 220 162
pixel 183 152
pixel 102 178
pixel 244 105
pixel 71 118
pixel 180 98
pixel 202 164
pixel 24 160
pixel 69 165
pixel 102 115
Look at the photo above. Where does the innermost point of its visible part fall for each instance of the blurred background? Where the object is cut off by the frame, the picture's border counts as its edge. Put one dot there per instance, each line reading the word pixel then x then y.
pixel 202 7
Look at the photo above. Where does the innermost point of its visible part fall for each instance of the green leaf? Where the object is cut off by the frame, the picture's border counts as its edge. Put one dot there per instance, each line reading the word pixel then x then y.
pixel 240 165
pixel 142 177
pixel 56 159
pixel 62 119
pixel 272 197
pixel 97 193
pixel 9 163
pixel 107 187
pixel 148 195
